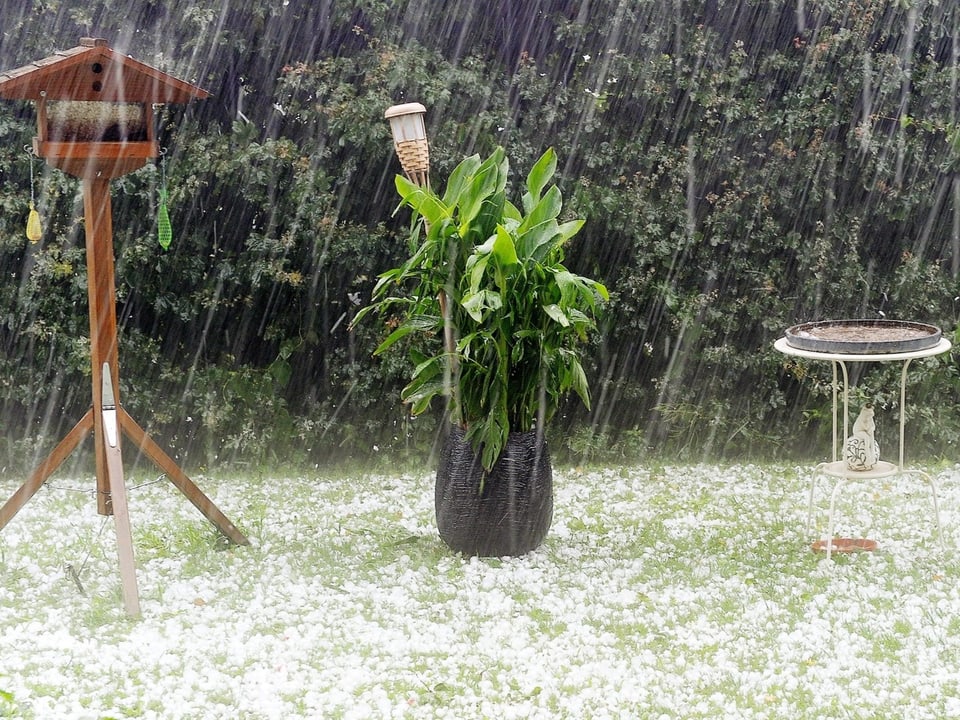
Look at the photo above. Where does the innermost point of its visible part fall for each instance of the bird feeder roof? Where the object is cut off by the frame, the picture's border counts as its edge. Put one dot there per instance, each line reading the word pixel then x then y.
pixel 93 71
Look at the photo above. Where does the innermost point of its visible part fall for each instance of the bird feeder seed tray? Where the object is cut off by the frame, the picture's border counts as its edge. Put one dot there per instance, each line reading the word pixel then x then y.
pixel 89 121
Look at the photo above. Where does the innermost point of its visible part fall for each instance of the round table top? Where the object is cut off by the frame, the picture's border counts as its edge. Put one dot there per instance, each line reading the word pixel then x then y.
pixel 941 347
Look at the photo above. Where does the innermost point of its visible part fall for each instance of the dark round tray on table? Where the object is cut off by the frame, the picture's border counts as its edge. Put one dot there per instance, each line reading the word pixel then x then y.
pixel 863 337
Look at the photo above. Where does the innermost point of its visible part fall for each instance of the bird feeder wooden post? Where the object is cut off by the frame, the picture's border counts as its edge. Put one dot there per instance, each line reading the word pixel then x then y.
pixel 95 122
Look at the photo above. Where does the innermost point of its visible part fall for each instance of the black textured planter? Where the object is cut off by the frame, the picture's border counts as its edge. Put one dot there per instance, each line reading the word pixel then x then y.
pixel 513 513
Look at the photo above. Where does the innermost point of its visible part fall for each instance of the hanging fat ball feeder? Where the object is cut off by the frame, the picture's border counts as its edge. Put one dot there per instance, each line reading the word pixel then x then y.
pixel 164 230
pixel 34 229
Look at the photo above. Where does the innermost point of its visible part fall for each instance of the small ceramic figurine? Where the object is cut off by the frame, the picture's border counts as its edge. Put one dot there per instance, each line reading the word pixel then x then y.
pixel 861 450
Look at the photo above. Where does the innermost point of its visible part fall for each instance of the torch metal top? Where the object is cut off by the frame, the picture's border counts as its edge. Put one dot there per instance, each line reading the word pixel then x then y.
pixel 404 109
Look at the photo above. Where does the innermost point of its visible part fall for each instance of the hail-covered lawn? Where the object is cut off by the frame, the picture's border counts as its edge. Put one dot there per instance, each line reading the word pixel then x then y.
pixel 661 592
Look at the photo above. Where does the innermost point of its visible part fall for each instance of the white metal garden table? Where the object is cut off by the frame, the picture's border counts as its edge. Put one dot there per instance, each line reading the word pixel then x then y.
pixel 837 468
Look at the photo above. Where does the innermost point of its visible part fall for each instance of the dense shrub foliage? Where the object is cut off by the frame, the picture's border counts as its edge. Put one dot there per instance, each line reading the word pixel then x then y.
pixel 743 166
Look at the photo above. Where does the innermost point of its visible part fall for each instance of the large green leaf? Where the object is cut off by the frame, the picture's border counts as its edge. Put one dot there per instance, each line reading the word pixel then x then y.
pixel 601 289
pixel 425 203
pixel 491 214
pixel 477 303
pixel 459 178
pixel 504 249
pixel 427 382
pixel 477 266
pixel 415 323
pixel 419 399
pixel 538 177
pixel 539 231
pixel 567 282
pixel 548 208
pixel 483 185
pixel 391 339
pixel 577 378
pixel 511 213
pixel 568 229
pixel 556 313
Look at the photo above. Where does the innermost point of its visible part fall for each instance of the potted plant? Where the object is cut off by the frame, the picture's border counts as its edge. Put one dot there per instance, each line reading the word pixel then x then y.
pixel 495 324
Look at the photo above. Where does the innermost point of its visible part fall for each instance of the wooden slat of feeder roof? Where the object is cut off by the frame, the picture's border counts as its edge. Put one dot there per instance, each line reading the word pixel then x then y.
pixel 69 75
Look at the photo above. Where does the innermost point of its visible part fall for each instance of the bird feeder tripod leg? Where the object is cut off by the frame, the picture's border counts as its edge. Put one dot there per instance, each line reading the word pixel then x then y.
pixel 46 468
pixel 118 496
pixel 186 486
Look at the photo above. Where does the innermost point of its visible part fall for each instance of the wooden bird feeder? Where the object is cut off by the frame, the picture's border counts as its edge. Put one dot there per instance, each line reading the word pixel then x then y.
pixel 95 122
pixel 95 107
